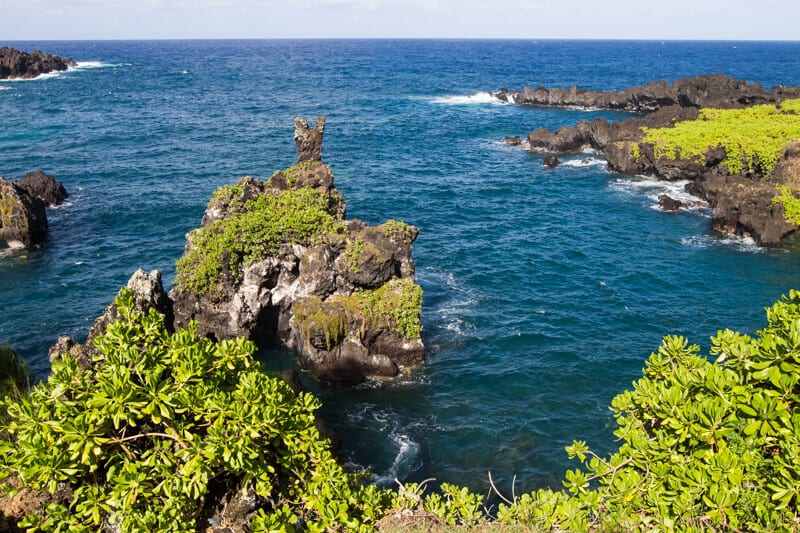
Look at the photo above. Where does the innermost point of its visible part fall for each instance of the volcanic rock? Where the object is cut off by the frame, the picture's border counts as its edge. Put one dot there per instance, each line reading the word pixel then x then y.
pixel 44 187
pixel 18 64
pixel 308 140
pixel 333 280
pixel 23 220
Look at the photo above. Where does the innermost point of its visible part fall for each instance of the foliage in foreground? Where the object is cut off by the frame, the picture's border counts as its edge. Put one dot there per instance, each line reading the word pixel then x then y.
pixel 753 137
pixel 141 437
pixel 160 420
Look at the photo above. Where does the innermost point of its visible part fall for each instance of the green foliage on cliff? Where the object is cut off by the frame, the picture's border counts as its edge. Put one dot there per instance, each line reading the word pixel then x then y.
pixel 396 304
pixel 161 422
pixel 753 137
pixel 398 230
pixel 144 437
pixel 304 216
pixel 790 202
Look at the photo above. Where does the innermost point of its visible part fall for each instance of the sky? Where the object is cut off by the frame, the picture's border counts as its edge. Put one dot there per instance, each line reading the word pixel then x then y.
pixel 525 19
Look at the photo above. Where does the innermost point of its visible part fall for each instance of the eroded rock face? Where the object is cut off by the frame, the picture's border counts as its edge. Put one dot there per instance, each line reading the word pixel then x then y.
pixel 17 64
pixel 308 140
pixel 23 220
pixel 342 338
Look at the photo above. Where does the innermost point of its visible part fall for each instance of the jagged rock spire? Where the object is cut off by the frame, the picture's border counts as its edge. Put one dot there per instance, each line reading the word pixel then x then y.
pixel 308 140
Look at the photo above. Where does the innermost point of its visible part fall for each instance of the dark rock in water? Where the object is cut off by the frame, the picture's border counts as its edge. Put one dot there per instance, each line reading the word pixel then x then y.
pixel 23 220
pixel 329 299
pixel 715 90
pixel 18 64
pixel 551 161
pixel 309 140
pixel 668 203
pixel 744 207
pixel 513 141
pixel 45 187
pixel 148 293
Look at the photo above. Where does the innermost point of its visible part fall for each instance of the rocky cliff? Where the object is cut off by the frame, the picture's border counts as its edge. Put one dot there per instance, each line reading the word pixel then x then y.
pixel 740 186
pixel 17 64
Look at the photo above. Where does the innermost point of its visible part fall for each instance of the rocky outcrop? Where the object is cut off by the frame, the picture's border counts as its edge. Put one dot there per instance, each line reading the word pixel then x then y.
pixel 23 221
pixel 17 64
pixel 44 187
pixel 147 292
pixel 743 204
pixel 309 140
pixel 715 90
pixel 344 299
pixel 23 218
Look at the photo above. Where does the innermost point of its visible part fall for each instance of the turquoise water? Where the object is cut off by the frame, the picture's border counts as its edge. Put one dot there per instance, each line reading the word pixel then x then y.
pixel 545 289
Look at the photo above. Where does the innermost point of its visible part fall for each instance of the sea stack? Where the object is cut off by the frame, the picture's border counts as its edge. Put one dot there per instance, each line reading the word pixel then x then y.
pixel 276 261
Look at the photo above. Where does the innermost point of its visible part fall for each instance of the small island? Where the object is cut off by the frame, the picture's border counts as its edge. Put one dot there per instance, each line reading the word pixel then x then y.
pixel 737 144
pixel 16 64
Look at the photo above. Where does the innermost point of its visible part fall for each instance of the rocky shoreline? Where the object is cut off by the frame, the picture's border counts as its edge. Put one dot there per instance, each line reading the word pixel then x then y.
pixel 16 64
pixel 743 202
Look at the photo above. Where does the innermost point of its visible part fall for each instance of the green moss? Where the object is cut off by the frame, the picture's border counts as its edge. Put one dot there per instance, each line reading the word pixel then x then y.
pixel 398 230
pixel 397 304
pixel 6 207
pixel 790 202
pixel 753 137
pixel 635 153
pixel 303 216
pixel 353 251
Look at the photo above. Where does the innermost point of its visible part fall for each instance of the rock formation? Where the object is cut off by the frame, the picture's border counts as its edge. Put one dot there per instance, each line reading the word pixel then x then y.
pixel 18 64
pixel 23 218
pixel 714 90
pixel 743 202
pixel 339 292
pixel 309 140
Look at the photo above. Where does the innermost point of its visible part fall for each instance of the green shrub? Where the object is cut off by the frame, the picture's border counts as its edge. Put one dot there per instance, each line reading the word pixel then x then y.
pixel 303 216
pixel 705 446
pixel 790 202
pixel 753 137
pixel 141 437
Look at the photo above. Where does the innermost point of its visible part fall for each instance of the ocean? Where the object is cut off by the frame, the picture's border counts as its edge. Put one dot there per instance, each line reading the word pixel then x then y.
pixel 545 289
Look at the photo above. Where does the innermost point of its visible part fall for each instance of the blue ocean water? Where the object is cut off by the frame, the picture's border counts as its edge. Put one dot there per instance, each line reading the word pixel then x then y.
pixel 545 289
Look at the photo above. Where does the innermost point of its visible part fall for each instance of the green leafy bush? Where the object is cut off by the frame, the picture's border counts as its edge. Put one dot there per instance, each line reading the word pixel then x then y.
pixel 790 202
pixel 303 216
pixel 705 446
pixel 753 137
pixel 142 438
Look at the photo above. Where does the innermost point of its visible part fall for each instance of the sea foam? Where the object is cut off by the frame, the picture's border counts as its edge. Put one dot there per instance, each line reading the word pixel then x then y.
pixel 470 99
pixel 653 188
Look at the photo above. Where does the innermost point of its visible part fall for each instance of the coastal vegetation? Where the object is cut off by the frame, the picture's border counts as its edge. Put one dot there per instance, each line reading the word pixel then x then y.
pixel 753 137
pixel 254 231
pixel 160 423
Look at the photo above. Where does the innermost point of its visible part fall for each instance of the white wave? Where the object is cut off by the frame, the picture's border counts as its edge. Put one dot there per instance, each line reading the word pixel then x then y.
pixel 4 88
pixel 652 188
pixel 585 162
pixel 407 455
pixel 95 64
pixel 742 244
pixel 477 98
